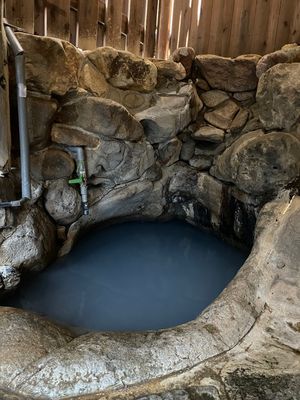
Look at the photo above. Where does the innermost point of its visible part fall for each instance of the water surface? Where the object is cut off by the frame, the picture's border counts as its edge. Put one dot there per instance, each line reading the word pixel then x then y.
pixel 133 276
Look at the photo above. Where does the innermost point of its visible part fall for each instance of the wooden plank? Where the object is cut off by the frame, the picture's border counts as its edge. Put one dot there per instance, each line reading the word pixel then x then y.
pixel 164 29
pixel 214 45
pixel 259 27
pixel 5 141
pixel 295 26
pixel 58 19
pixel 113 23
pixel 88 24
pixel 240 37
pixel 204 26
pixel 101 23
pixel 39 17
pixel 21 13
pixel 150 28
pixel 136 19
pixel 185 23
pixel 194 24
pixel 272 23
pixel 285 22
pixel 227 20
pixel 177 10
pixel 73 26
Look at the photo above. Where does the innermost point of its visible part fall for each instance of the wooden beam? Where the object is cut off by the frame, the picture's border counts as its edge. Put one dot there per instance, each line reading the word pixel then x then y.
pixel 113 23
pixel 194 24
pixel 164 29
pixel 5 141
pixel 150 28
pixel 39 17
pixel 204 26
pixel 88 24
pixel 285 23
pixel 58 19
pixel 21 13
pixel 177 11
pixel 185 23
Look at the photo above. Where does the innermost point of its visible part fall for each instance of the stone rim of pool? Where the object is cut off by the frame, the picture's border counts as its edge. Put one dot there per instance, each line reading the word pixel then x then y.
pixel 248 309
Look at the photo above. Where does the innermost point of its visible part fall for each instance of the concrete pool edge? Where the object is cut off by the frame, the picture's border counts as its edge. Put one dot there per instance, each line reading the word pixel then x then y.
pixel 101 362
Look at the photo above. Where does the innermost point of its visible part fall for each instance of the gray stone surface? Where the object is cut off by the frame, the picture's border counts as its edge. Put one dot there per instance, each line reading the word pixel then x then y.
pixel 69 135
pixel 31 243
pixel 62 202
pixel 123 69
pixel 259 163
pixel 232 75
pixel 9 278
pixel 278 97
pixel 101 117
pixel 169 152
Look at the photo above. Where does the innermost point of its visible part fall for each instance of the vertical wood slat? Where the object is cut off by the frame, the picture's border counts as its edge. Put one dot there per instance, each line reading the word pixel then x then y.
pixel 164 28
pixel 5 141
pixel 295 26
pixel 285 21
pixel 113 23
pixel 243 16
pixel 39 17
pixel 88 23
pixel 150 28
pixel 21 13
pixel 176 22
pixel 260 27
pixel 184 23
pixel 272 23
pixel 137 13
pixel 204 26
pixel 101 22
pixel 194 24
pixel 58 19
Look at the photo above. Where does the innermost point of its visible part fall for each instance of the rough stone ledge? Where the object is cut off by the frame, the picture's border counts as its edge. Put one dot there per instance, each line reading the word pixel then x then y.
pixel 252 326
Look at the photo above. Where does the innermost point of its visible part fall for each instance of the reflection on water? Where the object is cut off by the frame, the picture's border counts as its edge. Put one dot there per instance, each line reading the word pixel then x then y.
pixel 133 276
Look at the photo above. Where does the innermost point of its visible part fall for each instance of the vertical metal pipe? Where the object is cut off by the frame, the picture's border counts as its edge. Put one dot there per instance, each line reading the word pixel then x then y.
pixel 22 112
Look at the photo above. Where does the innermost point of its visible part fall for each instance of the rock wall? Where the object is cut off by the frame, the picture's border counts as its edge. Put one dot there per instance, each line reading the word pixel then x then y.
pixel 195 137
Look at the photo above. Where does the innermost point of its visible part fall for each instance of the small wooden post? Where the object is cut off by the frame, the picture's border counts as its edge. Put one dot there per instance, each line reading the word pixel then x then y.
pixel 164 28
pixel 150 28
pixel 4 100
pixel 88 24
pixel 114 23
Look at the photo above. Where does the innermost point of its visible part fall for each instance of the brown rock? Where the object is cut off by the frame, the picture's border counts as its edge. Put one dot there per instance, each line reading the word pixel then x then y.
pixel 169 152
pixel 51 164
pixel 202 84
pixel 169 69
pixel 209 134
pixel 213 98
pixel 51 64
pixel 201 162
pixel 100 116
pixel 40 110
pixel 231 75
pixel 73 136
pixel 92 80
pixel 239 120
pixel 185 56
pixel 123 69
pixel 288 54
pixel 222 116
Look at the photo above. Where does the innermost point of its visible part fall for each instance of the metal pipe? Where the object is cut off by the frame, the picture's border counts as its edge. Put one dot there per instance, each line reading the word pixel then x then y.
pixel 81 179
pixel 18 53
pixel 22 111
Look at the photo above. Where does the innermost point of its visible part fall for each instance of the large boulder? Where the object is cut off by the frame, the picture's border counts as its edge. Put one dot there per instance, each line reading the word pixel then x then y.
pixel 40 111
pixel 51 64
pixel 62 202
pixel 288 54
pixel 92 80
pixel 100 116
pixel 31 243
pixel 116 161
pixel 232 75
pixel 260 164
pixel 278 96
pixel 123 69
pixel 185 56
pixel 73 136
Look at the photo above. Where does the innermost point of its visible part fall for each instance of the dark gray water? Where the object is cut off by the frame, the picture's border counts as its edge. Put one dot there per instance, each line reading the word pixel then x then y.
pixel 133 276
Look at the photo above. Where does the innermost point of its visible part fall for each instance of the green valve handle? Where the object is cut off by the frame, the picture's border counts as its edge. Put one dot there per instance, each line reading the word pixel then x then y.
pixel 75 181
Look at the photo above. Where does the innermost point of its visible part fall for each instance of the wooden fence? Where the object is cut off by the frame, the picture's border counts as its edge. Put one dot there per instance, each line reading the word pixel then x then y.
pixel 154 28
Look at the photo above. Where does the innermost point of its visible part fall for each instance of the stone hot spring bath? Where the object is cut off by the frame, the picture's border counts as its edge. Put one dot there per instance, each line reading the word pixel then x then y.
pixel 133 276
